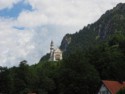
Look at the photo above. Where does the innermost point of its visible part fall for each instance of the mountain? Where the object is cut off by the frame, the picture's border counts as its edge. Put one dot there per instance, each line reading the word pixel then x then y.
pixel 110 23
pixel 113 21
pixel 95 53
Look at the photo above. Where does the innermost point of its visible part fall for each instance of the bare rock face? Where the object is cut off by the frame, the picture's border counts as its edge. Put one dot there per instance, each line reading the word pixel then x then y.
pixel 65 42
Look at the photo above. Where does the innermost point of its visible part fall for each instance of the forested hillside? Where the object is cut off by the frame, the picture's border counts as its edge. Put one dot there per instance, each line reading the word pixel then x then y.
pixel 95 53
pixel 113 21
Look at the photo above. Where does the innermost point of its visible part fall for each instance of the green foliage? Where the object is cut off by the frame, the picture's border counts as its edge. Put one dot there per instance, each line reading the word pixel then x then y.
pixel 6 81
pixel 96 52
pixel 76 75
pixel 122 91
pixel 109 61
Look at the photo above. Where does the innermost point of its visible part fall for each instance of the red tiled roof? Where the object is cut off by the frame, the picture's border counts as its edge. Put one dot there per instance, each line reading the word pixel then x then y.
pixel 113 86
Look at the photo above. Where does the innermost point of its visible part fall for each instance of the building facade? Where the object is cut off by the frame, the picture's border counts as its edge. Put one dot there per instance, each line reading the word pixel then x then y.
pixel 55 54
pixel 103 90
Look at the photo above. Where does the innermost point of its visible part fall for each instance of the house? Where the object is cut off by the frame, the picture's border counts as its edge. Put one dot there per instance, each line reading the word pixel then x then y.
pixel 110 87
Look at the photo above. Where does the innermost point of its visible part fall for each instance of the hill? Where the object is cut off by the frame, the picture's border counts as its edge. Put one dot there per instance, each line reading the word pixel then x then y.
pixel 95 53
pixel 113 21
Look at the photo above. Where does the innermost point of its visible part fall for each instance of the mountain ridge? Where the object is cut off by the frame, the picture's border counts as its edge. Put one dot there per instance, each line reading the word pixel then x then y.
pixel 110 22
pixel 93 55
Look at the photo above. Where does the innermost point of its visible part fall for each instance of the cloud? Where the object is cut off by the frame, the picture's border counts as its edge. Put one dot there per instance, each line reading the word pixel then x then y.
pixel 28 36
pixel 31 19
pixel 14 8
pixel 8 3
pixel 15 45
pixel 73 12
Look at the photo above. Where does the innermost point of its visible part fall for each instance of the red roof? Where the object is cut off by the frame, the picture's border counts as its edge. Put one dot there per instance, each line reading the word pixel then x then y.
pixel 113 86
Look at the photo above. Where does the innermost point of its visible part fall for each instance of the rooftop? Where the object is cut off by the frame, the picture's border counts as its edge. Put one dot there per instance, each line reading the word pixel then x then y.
pixel 113 86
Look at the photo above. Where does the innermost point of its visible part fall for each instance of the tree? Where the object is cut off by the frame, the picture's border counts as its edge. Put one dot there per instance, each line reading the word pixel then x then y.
pixel 77 76
pixel 23 78
pixel 6 81
pixel 121 91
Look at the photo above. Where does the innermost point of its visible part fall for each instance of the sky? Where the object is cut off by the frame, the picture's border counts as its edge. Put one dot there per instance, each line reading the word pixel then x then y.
pixel 28 26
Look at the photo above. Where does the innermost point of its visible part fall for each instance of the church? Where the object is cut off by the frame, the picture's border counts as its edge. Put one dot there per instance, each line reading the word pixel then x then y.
pixel 55 53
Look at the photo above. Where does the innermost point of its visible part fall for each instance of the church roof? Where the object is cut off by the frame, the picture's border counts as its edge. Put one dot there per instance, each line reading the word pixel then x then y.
pixel 113 86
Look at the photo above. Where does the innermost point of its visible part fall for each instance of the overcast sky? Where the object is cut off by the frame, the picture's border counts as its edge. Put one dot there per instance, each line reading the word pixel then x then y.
pixel 28 26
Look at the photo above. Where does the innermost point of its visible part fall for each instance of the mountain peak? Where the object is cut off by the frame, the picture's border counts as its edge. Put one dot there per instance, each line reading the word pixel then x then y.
pixel 120 6
pixel 113 21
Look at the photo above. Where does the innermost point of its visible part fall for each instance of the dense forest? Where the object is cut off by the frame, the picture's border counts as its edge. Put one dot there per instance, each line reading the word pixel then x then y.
pixel 95 53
